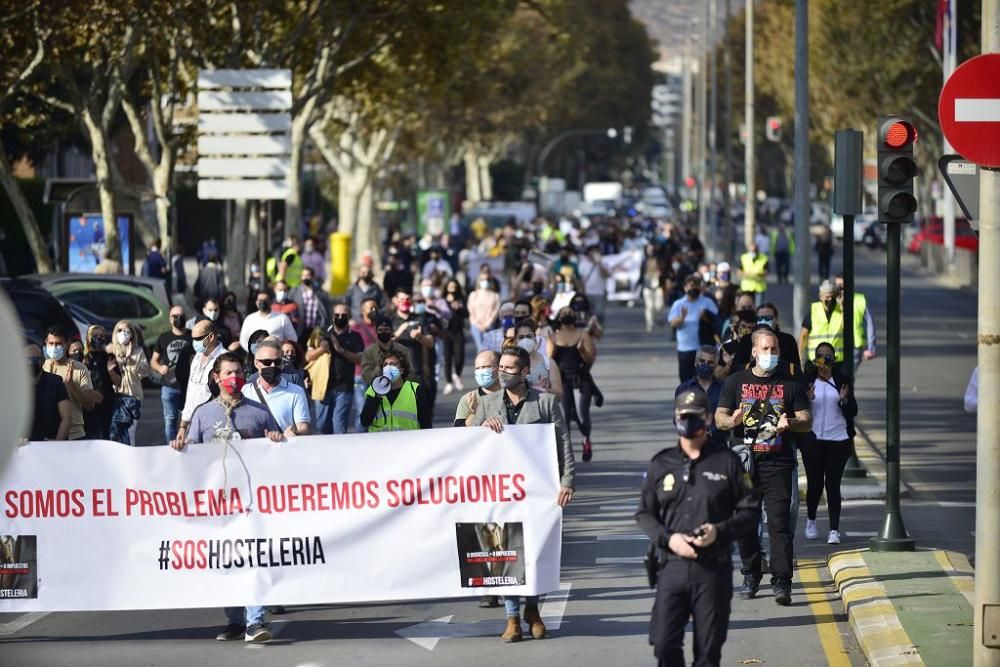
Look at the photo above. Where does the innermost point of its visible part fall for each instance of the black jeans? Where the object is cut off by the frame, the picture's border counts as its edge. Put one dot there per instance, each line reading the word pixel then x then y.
pixel 774 480
pixel 576 404
pixel 825 461
pixel 783 262
pixel 824 267
pixel 691 589
pixel 685 364
pixel 454 354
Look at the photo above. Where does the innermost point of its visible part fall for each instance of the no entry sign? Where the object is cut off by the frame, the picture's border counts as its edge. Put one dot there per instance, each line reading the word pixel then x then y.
pixel 969 110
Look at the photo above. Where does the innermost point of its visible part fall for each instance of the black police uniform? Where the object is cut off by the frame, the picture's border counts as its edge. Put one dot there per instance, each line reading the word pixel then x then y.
pixel 679 495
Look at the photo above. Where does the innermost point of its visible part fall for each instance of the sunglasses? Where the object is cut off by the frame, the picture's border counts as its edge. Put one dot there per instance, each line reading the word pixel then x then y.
pixel 202 337
pixel 269 362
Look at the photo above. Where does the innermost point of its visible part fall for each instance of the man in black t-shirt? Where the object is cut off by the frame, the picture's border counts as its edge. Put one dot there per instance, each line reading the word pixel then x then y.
pixel 171 350
pixel 760 406
pixel 345 348
pixel 51 418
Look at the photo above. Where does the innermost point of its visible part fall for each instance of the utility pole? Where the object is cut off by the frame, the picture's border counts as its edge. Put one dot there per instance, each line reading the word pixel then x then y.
pixel 728 251
pixel 713 118
pixel 748 159
pixel 803 208
pixel 702 138
pixel 686 112
pixel 987 417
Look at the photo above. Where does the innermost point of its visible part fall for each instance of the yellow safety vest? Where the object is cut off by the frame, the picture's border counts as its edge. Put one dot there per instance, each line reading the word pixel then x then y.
pixel 774 241
pixel 754 278
pixel 860 306
pixel 293 275
pixel 398 416
pixel 826 331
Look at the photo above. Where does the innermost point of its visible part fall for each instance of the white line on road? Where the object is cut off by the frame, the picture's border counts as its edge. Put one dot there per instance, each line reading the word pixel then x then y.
pixel 615 538
pixel 625 560
pixel 554 607
pixel 618 508
pixel 21 622
pixel 977 110
pixel 955 503
pixel 862 533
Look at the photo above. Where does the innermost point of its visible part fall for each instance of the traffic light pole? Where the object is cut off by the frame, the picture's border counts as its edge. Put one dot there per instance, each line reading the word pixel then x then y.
pixel 803 209
pixel 987 596
pixel 893 536
pixel 749 155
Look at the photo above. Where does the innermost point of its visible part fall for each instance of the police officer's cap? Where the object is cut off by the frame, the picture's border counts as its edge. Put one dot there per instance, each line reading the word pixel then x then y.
pixel 691 401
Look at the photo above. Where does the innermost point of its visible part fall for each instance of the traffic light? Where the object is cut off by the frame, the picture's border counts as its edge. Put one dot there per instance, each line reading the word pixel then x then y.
pixel 772 128
pixel 896 169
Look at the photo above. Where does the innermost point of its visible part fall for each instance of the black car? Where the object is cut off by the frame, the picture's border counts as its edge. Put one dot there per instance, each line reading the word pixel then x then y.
pixel 37 309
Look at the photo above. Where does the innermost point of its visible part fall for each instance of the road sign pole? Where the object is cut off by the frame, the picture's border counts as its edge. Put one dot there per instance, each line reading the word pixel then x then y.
pixel 748 154
pixel 987 597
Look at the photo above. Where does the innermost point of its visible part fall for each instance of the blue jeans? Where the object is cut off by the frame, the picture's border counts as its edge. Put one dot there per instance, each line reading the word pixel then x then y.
pixel 254 615
pixel 332 414
pixel 512 603
pixel 171 399
pixel 477 338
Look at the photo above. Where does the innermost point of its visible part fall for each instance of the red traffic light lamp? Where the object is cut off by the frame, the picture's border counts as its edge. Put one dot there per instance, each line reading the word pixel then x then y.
pixel 896 169
pixel 772 128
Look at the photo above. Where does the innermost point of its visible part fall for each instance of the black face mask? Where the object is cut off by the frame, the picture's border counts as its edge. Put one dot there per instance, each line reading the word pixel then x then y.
pixel 264 305
pixel 97 344
pixel 690 426
pixel 693 292
pixel 307 282
pixel 177 321
pixel 288 360
pixel 76 356
pixel 568 319
pixel 270 374
pixel 383 336
pixel 341 321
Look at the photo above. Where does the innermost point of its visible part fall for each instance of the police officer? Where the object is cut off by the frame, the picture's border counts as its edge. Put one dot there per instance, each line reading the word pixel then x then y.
pixel 695 502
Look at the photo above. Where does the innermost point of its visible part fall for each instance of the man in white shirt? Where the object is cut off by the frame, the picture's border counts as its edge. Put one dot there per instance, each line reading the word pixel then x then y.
pixel 436 263
pixel 275 324
pixel 206 348
pixel 595 281
pixel 287 403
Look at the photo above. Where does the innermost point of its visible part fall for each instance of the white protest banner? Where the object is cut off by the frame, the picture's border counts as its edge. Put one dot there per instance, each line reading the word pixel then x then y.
pixel 624 267
pixel 455 512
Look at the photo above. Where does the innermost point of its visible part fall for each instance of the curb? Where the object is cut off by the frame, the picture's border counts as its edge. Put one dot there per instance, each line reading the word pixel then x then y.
pixel 871 613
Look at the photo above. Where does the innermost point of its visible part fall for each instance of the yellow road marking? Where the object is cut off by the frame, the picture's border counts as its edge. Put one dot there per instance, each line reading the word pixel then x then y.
pixel 819 603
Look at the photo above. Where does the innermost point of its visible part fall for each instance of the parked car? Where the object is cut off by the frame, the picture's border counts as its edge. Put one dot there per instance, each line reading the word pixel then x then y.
pixel 861 224
pixel 105 302
pixel 933 233
pixel 37 309
pixel 154 285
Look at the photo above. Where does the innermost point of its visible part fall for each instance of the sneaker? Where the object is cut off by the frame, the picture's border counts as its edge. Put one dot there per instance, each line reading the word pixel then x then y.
pixel 457 380
pixel 448 389
pixel 588 450
pixel 257 633
pixel 751 584
pixel 811 529
pixel 782 593
pixel 833 537
pixel 489 602
pixel 231 632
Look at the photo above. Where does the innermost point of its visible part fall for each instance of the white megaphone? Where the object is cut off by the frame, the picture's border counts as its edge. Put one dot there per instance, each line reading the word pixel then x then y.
pixel 382 385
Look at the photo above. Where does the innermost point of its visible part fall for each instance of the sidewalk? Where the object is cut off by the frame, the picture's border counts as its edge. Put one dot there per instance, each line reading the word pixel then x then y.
pixel 908 608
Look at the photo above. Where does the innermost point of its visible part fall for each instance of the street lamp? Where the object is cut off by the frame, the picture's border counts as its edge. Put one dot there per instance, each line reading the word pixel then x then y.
pixel 610 133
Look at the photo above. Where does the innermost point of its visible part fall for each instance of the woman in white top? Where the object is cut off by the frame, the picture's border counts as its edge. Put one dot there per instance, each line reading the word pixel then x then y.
pixel 543 375
pixel 127 348
pixel 826 450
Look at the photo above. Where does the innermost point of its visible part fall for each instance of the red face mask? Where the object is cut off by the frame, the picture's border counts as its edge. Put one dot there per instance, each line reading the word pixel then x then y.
pixel 404 306
pixel 233 384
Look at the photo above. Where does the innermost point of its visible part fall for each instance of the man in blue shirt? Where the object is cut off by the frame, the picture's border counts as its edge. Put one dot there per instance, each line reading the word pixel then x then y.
pixel 685 315
pixel 704 380
pixel 287 402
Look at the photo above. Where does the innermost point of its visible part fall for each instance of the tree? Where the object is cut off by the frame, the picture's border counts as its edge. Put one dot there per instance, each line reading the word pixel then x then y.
pixel 21 60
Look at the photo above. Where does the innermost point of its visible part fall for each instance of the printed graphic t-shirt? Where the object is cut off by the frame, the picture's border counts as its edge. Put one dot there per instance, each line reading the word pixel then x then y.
pixel 763 401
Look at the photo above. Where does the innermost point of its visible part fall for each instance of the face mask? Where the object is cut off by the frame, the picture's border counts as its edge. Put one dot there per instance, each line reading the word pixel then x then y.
pixel 370 316
pixel 384 336
pixel 404 306
pixel 35 366
pixel 124 337
pixel 306 282
pixel 568 319
pixel 364 277
pixel 704 371
pixel 507 322
pixel 232 385
pixel 77 356
pixel 510 380
pixel 676 266
pixel 484 284
pixel 829 305
pixel 565 287
pixel 288 360
pixel 420 308
pixel 270 374
pixel 341 321
pixel 264 305
pixel 690 426
pixel 693 292
pixel 391 372
pixel 485 377
pixel 279 295
pixel 54 352
pixel 177 321
pixel 766 321
pixel 198 345
pixel 253 348
pixel 98 343
pixel 427 291
pixel 767 362
pixel 527 344
pixel 230 304
pixel 824 360
pixel 212 315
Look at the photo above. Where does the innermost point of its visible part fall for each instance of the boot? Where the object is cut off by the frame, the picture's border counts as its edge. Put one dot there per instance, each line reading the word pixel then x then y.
pixel 534 621
pixel 513 631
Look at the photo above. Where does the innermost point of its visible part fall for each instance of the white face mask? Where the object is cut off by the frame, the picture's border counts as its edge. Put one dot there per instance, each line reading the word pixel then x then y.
pixel 124 337
pixel 279 295
pixel 427 291
pixel 212 315
pixel 527 344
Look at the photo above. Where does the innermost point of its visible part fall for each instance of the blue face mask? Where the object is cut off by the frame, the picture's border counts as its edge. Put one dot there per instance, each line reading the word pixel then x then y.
pixel 54 352
pixel 704 371
pixel 485 377
pixel 768 321
pixel 198 345
pixel 419 308
pixel 507 322
pixel 391 372
pixel 767 362
pixel 253 349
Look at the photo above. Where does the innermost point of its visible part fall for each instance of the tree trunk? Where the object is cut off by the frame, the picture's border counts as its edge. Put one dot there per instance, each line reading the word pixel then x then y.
pixel 24 213
pixel 365 228
pixel 162 176
pixel 473 192
pixel 485 182
pixel 106 192
pixel 236 250
pixel 350 190
pixel 293 202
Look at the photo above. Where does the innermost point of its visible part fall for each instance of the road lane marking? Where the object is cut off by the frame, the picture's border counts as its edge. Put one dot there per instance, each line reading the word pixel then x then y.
pixel 624 560
pixel 618 508
pixel 955 503
pixel 861 533
pixel 21 622
pixel 819 604
pixel 977 110
pixel 615 538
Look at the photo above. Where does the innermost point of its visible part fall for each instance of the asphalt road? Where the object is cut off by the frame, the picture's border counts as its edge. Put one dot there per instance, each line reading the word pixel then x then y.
pixel 600 617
